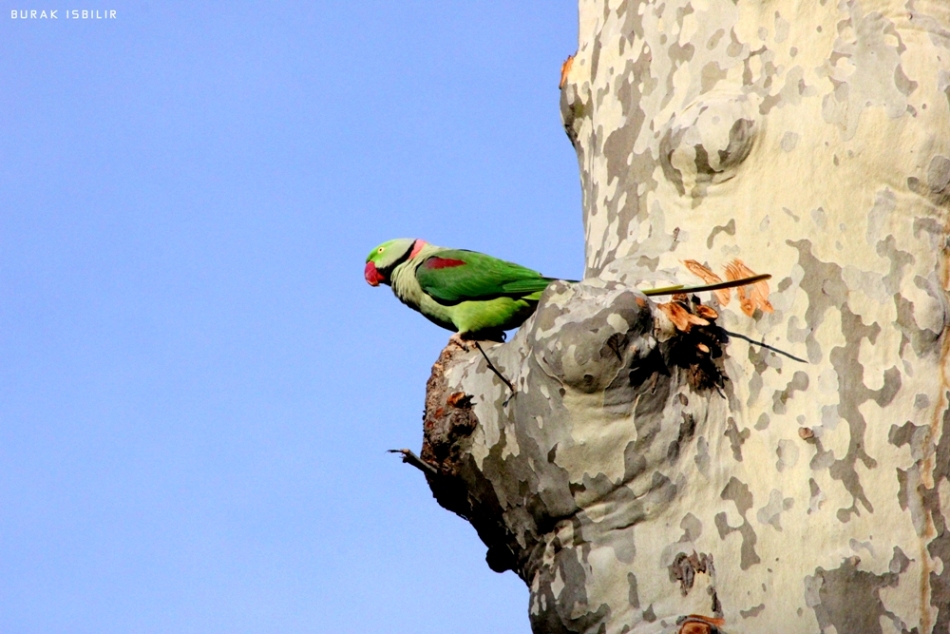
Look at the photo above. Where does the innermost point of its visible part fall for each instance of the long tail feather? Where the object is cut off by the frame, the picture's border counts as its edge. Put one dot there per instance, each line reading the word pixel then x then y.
pixel 672 290
pixel 664 290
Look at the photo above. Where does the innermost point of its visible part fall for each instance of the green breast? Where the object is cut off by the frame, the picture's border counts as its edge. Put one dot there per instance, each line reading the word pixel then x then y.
pixel 500 313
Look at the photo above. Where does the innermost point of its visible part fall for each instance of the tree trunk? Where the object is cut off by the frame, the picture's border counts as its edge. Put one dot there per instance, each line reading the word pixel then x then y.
pixel 649 467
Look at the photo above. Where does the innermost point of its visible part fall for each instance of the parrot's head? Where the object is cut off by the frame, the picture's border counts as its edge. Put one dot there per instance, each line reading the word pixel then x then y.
pixel 383 259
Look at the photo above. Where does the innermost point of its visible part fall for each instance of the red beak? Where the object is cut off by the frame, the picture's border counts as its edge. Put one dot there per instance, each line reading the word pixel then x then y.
pixel 372 275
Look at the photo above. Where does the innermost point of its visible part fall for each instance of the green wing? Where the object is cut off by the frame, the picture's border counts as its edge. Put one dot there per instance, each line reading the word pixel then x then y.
pixel 455 275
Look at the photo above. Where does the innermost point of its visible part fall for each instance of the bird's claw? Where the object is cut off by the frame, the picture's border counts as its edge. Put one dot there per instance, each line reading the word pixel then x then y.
pixel 464 344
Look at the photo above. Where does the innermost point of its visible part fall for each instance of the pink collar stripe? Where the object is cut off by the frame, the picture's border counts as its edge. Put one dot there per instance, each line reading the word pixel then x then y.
pixel 416 247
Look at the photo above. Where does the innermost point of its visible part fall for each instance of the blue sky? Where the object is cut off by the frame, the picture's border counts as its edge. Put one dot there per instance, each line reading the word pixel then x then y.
pixel 197 388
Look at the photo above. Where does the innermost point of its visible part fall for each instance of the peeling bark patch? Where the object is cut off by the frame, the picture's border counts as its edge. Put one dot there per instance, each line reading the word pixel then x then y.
pixel 823 458
pixel 736 438
pixel 685 568
pixel 817 497
pixel 649 615
pixel 751 612
pixel 899 562
pixel 938 174
pixel 787 452
pixel 789 141
pixel 771 512
pixel 849 599
pixel 799 382
pixel 738 492
pixel 917 438
pixel 633 597
pixel 729 228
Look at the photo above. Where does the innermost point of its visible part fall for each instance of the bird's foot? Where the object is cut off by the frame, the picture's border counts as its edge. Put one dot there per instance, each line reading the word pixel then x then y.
pixel 459 340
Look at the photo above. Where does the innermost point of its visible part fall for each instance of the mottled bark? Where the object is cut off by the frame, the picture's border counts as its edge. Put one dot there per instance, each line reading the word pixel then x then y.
pixel 641 474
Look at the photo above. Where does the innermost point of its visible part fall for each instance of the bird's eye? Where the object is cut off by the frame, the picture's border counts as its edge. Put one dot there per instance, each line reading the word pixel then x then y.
pixel 379 250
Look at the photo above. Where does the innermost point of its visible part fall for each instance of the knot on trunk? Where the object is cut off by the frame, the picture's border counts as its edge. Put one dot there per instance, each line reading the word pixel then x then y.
pixel 587 337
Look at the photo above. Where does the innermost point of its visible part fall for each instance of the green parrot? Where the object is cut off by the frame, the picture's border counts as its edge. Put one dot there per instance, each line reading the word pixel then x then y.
pixel 473 294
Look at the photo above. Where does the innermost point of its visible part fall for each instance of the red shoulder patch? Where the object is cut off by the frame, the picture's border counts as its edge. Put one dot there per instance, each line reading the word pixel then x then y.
pixel 442 263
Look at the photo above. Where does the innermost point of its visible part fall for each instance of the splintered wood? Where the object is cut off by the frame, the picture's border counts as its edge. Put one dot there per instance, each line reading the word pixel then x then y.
pixel 751 296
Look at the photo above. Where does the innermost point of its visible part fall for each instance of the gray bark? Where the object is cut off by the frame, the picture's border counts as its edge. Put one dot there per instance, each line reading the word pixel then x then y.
pixel 644 471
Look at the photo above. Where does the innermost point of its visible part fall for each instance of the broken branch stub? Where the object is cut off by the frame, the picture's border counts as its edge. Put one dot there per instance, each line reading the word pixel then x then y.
pixel 561 479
